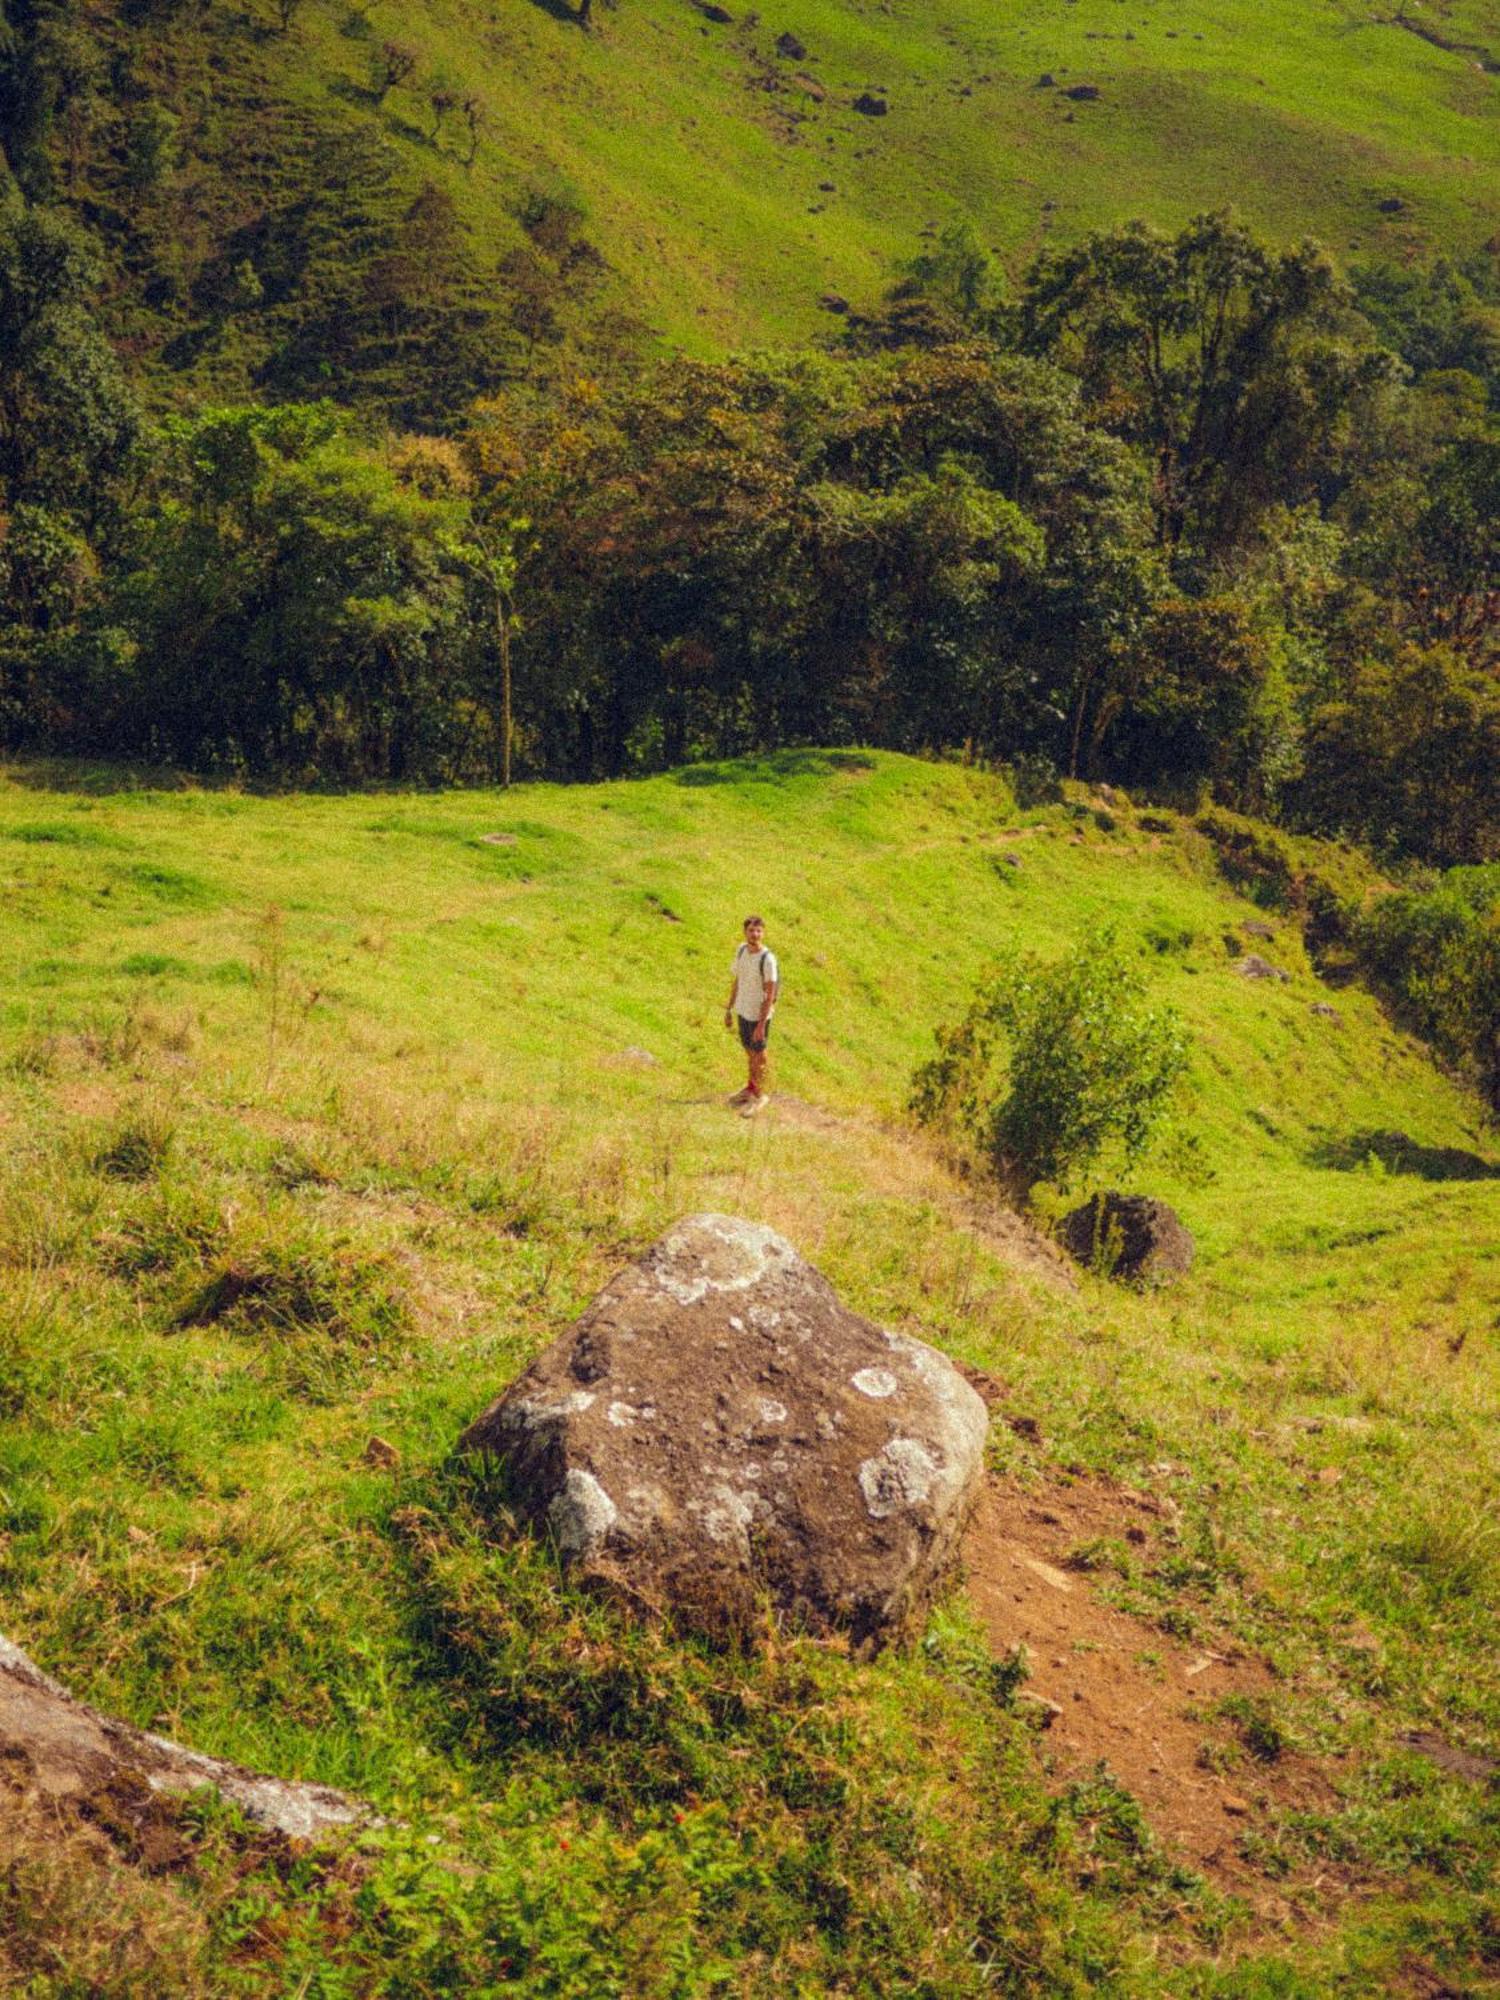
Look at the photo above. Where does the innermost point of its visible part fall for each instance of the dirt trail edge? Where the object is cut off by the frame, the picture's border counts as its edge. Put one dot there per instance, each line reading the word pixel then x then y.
pixel 1111 1689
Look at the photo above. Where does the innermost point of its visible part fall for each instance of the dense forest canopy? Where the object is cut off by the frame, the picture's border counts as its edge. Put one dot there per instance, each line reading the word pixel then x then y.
pixel 1188 510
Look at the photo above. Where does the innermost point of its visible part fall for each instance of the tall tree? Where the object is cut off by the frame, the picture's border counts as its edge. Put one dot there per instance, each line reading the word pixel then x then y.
pixel 1236 367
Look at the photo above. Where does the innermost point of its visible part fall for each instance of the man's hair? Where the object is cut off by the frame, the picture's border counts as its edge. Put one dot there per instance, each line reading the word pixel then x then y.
pixel 752 920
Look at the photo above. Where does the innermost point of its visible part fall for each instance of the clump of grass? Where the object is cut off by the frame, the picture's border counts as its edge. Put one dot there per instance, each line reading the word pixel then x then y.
pixel 960 1651
pixel 1256 1726
pixel 318 1312
pixel 34 1055
pixel 174 1221
pixel 1452 1556
pixel 1102 1555
pixel 137 1147
pixel 293 1165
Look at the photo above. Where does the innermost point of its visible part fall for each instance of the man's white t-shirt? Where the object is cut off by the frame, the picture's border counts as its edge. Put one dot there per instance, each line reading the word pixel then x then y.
pixel 753 972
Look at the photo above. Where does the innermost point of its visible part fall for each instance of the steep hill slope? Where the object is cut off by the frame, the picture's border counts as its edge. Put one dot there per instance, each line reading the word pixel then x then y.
pixel 728 181
pixel 322 1114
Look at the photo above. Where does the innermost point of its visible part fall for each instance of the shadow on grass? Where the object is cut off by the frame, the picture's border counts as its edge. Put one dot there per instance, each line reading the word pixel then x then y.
pixel 1398 1153
pixel 779 764
pixel 99 779
pixel 561 10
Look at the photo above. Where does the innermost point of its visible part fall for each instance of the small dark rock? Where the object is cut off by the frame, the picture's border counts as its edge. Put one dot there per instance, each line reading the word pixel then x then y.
pixel 1392 205
pixel 1083 93
pixel 1253 966
pixel 1046 81
pixel 1132 1236
pixel 833 302
pixel 791 47
pixel 1322 1009
pixel 712 12
pixel 1253 927
pixel 827 187
pixel 870 105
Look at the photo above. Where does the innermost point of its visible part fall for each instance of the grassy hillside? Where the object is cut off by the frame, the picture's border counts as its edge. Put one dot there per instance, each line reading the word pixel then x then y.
pixel 730 187
pixel 321 1115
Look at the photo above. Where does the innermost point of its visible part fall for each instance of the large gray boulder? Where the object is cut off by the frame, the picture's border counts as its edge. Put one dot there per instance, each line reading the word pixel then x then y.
pixel 719 1432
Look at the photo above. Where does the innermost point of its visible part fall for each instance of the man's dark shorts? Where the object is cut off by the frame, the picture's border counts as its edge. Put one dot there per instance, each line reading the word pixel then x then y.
pixel 749 1030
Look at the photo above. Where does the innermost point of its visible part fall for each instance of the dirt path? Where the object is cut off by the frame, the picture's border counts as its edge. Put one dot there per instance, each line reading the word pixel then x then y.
pixel 1111 1688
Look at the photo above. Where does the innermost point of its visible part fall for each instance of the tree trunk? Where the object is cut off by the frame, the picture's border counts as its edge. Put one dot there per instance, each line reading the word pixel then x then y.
pixel 502 622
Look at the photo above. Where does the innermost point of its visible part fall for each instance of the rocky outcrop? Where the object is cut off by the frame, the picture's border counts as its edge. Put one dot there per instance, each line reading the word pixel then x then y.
pixel 67 1755
pixel 719 1434
pixel 1131 1236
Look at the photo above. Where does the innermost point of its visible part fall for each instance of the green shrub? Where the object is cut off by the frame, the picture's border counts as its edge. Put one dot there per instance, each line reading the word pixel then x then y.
pixel 1052 1065
pixel 1435 953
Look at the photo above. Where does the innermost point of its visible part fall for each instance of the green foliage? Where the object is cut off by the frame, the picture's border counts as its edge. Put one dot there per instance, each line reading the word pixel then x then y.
pixel 291 604
pixel 1436 952
pixel 1406 758
pixel 1055 1064
pixel 67 419
pixel 1239 370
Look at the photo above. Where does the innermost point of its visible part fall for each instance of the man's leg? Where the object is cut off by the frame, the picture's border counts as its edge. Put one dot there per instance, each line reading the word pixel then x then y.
pixel 746 1093
pixel 758 1051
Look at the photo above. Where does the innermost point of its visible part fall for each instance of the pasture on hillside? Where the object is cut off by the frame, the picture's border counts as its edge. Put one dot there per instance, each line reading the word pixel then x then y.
pixel 321 1115
pixel 731 187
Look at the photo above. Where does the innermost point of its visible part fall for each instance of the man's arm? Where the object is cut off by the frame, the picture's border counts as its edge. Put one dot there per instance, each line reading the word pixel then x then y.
pixel 767 1002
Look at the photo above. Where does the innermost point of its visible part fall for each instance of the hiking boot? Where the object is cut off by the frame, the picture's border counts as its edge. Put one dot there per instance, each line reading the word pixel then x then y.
pixel 755 1100
pixel 742 1096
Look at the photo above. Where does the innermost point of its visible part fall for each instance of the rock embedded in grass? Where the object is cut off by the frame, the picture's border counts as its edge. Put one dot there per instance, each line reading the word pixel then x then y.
pixel 78 1761
pixel 719 1433
pixel 1253 966
pixel 1130 1236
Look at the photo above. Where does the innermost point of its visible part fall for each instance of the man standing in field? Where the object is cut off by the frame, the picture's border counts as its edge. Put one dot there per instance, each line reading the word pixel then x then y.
pixel 752 1001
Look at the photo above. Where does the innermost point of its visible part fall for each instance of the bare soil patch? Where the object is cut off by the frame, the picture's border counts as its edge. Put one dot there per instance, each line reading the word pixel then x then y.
pixel 1115 1690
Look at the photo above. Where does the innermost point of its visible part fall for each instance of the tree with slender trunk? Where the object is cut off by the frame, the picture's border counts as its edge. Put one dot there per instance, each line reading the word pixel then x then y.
pixel 491 556
pixel 476 117
pixel 392 66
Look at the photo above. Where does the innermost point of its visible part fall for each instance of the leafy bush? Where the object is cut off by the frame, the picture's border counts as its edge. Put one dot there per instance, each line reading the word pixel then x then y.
pixel 1436 954
pixel 1053 1064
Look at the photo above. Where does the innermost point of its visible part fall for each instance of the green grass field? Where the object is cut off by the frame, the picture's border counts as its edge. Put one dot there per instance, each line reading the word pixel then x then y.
pixel 730 188
pixel 320 1115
